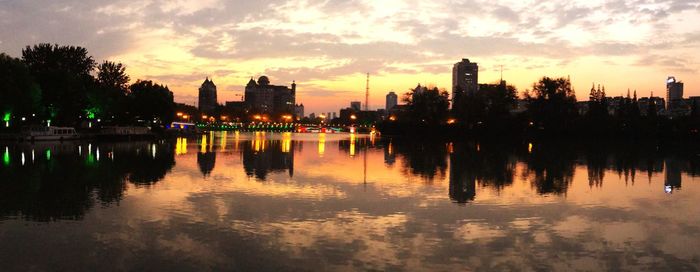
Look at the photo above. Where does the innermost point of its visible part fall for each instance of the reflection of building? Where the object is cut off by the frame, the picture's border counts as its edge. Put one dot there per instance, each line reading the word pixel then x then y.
pixel 462 184
pixel 465 77
pixel 391 101
pixel 207 97
pixel 262 157
pixel 261 97
pixel 672 179
pixel 206 162
pixel 389 154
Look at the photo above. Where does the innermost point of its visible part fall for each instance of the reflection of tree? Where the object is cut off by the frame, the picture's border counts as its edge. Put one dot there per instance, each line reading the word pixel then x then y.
pixel 487 165
pixel 269 157
pixel 552 168
pixel 426 159
pixel 206 162
pixel 64 181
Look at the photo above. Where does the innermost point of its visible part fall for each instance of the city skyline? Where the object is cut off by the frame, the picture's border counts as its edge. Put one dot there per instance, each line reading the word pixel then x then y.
pixel 624 45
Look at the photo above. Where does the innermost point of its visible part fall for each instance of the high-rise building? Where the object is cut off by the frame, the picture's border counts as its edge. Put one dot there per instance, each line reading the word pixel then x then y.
pixel 391 101
pixel 465 78
pixel 207 97
pixel 674 93
pixel 261 97
pixel 356 106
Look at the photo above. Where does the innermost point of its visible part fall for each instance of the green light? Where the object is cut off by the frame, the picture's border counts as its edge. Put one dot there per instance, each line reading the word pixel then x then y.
pixel 48 154
pixel 6 157
pixel 6 117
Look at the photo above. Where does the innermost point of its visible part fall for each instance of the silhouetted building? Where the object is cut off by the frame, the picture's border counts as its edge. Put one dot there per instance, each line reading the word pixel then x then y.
pixel 356 105
pixel 465 78
pixel 391 101
pixel 674 93
pixel 299 111
pixel 658 103
pixel 261 97
pixel 207 97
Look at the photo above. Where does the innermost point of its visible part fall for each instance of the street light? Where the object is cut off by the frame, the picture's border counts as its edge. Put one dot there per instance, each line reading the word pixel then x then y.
pixel 353 117
pixel 179 114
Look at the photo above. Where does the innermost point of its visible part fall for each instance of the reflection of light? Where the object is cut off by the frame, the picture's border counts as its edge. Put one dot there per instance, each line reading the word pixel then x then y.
pixel 236 139
pixel 286 142
pixel 23 160
pixel 203 145
pixel 181 146
pixel 391 148
pixel 668 189
pixel 80 150
pixel 224 138
pixel 352 144
pixel 478 147
pixel 48 154
pixel 32 155
pixel 211 141
pixel 153 151
pixel 6 156
pixel 321 143
pixel 529 148
pixel 450 148
pixel 89 149
pixel 97 153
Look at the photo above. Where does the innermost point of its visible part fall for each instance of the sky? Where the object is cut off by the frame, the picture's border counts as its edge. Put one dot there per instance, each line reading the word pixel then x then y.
pixel 328 46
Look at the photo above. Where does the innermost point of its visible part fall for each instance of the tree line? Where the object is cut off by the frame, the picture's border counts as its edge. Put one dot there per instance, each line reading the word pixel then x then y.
pixel 550 109
pixel 64 85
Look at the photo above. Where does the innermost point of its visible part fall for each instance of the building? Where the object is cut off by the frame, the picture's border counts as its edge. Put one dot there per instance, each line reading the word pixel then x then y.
pixel 391 101
pixel 262 97
pixel 207 97
pixel 658 103
pixel 674 93
pixel 356 105
pixel 465 78
pixel 299 111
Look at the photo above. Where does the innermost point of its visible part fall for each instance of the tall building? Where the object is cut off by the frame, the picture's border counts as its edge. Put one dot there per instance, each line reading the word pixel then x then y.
pixel 356 106
pixel 299 111
pixel 262 97
pixel 207 97
pixel 465 78
pixel 391 101
pixel 674 93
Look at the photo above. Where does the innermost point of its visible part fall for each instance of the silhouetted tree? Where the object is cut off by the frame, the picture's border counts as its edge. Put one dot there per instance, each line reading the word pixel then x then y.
pixel 63 72
pixel 20 95
pixel 427 105
pixel 552 104
pixel 152 102
pixel 110 97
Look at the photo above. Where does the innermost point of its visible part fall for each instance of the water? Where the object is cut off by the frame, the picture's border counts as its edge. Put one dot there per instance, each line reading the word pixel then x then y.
pixel 267 201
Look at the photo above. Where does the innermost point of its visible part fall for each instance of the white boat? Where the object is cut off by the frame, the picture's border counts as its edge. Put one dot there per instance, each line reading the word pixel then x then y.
pixel 51 134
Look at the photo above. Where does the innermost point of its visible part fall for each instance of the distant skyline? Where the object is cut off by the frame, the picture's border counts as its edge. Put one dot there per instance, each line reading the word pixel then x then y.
pixel 328 46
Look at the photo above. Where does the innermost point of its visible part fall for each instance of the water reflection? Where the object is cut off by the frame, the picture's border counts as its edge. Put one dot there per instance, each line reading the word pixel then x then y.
pixel 70 178
pixel 239 201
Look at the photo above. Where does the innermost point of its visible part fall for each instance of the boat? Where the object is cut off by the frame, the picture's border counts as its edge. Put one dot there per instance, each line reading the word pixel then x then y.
pixel 51 134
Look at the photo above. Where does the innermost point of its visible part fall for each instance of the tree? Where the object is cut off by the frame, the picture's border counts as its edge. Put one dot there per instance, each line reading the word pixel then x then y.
pixel 20 95
pixel 552 103
pixel 63 73
pixel 151 102
pixel 109 97
pixel 427 105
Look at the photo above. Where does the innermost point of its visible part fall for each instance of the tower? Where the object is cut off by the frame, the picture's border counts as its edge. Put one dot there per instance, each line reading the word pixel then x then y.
pixel 465 78
pixel 207 97
pixel 674 93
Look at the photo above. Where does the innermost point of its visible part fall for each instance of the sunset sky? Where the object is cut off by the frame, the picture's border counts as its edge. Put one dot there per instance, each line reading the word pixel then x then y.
pixel 328 46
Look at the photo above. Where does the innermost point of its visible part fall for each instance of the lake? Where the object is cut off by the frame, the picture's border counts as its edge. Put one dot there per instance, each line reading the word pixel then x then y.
pixel 283 201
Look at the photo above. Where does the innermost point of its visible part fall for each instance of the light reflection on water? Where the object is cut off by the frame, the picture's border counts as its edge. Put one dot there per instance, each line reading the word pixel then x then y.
pixel 264 201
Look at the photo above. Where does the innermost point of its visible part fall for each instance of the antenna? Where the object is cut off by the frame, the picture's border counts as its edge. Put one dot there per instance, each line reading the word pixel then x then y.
pixel 367 94
pixel 501 72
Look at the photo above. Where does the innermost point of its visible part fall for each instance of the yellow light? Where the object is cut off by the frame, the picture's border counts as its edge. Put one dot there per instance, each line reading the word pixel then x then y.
pixel 451 121
pixel 392 118
pixel 352 144
pixel 353 117
pixel 179 114
pixel 204 117
pixel 529 148
pixel 257 117
pixel 321 143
